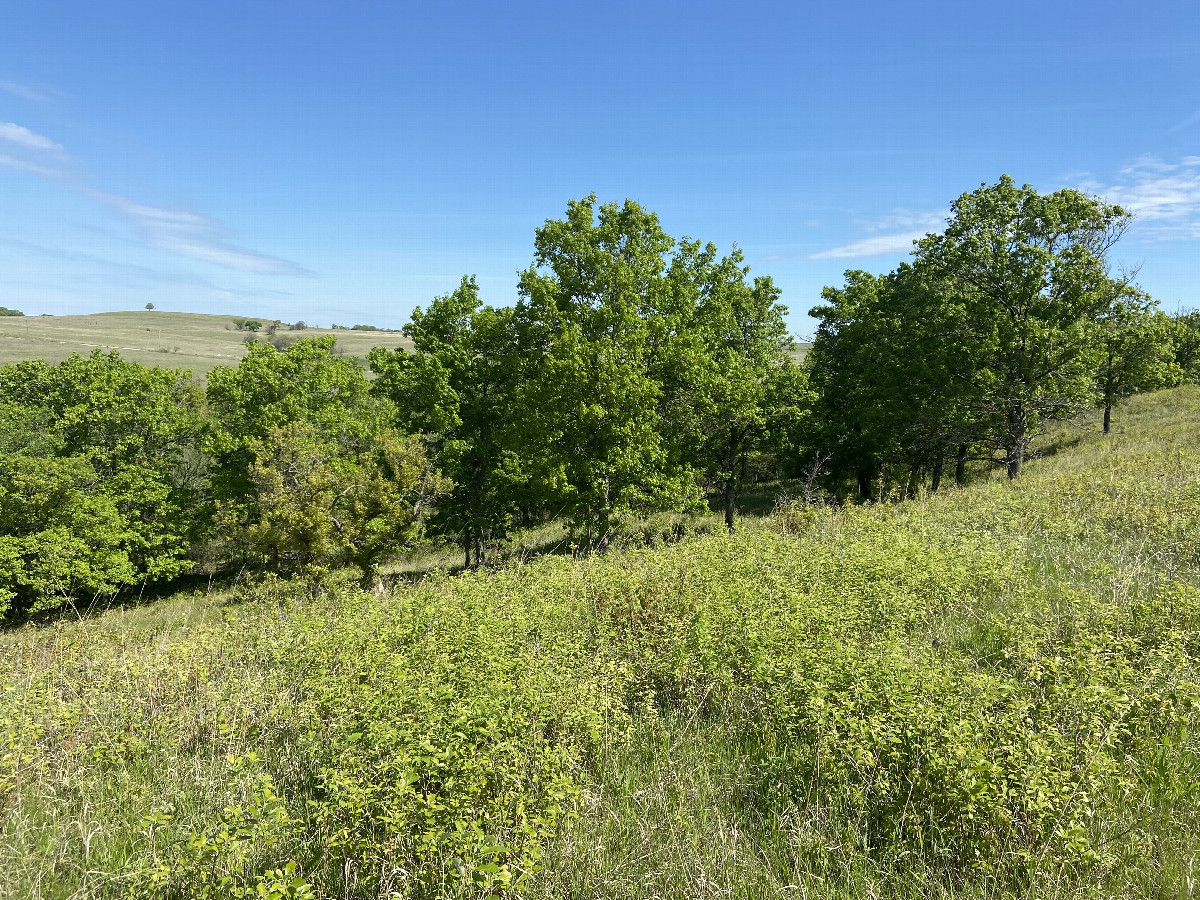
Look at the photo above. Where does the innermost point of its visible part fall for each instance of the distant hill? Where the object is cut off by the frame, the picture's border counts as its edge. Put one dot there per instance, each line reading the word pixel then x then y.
pixel 155 338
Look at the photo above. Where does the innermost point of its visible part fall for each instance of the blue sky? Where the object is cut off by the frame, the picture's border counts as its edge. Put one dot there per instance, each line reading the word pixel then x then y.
pixel 345 162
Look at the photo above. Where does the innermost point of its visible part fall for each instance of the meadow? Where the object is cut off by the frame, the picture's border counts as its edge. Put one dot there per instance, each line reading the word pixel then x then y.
pixel 983 692
pixel 194 341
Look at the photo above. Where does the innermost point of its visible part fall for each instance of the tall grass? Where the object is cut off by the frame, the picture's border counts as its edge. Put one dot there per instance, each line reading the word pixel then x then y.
pixel 982 693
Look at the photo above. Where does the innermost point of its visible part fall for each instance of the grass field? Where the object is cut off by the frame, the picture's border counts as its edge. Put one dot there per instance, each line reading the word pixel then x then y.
pixel 154 338
pixel 984 693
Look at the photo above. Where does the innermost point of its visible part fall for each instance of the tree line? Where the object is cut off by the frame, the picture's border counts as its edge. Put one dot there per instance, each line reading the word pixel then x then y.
pixel 636 373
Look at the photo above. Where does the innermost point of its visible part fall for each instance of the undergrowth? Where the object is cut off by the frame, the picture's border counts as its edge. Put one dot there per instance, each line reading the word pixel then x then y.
pixel 979 693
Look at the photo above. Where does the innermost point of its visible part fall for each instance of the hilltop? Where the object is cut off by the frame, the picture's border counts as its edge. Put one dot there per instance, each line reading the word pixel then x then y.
pixel 195 341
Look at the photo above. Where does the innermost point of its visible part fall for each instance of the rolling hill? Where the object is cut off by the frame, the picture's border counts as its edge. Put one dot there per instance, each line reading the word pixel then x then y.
pixel 193 341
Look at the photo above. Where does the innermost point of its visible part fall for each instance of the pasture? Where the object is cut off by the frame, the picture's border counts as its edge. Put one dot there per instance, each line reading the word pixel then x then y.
pixel 175 340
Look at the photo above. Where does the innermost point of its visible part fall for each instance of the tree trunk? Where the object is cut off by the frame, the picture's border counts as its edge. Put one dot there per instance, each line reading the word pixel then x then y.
pixel 910 489
pixel 960 465
pixel 730 501
pixel 1107 415
pixel 864 486
pixel 1018 428
pixel 935 478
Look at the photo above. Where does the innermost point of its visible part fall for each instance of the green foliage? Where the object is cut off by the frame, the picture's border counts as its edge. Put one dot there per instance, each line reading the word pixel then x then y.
pixel 458 388
pixel 5 311
pixel 321 502
pixel 1186 334
pixel 1027 275
pixel 59 539
pixel 894 385
pixel 984 693
pixel 271 387
pixel 1137 350
pixel 588 407
pixel 106 456
pixel 730 392
pixel 308 472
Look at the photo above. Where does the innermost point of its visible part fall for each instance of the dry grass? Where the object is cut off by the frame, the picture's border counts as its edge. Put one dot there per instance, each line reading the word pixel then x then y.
pixel 154 338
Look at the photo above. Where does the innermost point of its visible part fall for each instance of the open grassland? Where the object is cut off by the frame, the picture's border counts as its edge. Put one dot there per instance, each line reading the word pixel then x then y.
pixel 154 338
pixel 983 693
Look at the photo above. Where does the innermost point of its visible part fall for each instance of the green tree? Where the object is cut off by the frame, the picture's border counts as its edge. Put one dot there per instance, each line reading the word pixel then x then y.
pixel 326 499
pixel 308 468
pixel 895 380
pixel 1137 349
pixel 859 412
pixel 1186 339
pixel 139 430
pixel 270 387
pixel 588 408
pixel 59 537
pixel 457 387
pixel 1028 274
pixel 729 388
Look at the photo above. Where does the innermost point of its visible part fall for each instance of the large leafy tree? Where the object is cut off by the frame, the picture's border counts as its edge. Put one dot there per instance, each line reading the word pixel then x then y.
pixel 730 391
pixel 841 372
pixel 1185 328
pixel 1137 349
pixel 898 394
pixel 1028 275
pixel 457 388
pixel 138 430
pixel 60 538
pixel 589 409
pixel 269 388
pixel 309 468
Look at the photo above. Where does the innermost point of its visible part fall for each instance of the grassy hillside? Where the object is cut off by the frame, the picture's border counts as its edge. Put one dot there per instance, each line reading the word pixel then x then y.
pixel 984 693
pixel 154 338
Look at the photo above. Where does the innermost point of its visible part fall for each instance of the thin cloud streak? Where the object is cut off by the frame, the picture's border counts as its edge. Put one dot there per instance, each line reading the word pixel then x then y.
pixel 1163 197
pixel 194 236
pixel 930 220
pixel 1190 120
pixel 126 269
pixel 32 168
pixel 879 245
pixel 185 233
pixel 24 91
pixel 30 140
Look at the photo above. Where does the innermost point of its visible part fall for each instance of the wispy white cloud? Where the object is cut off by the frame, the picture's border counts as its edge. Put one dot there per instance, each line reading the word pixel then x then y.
pixel 30 140
pixel 879 245
pixel 193 235
pixel 21 165
pixel 1190 120
pixel 27 91
pixel 930 220
pixel 1163 197
pixel 890 233
pixel 106 267
pixel 178 231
